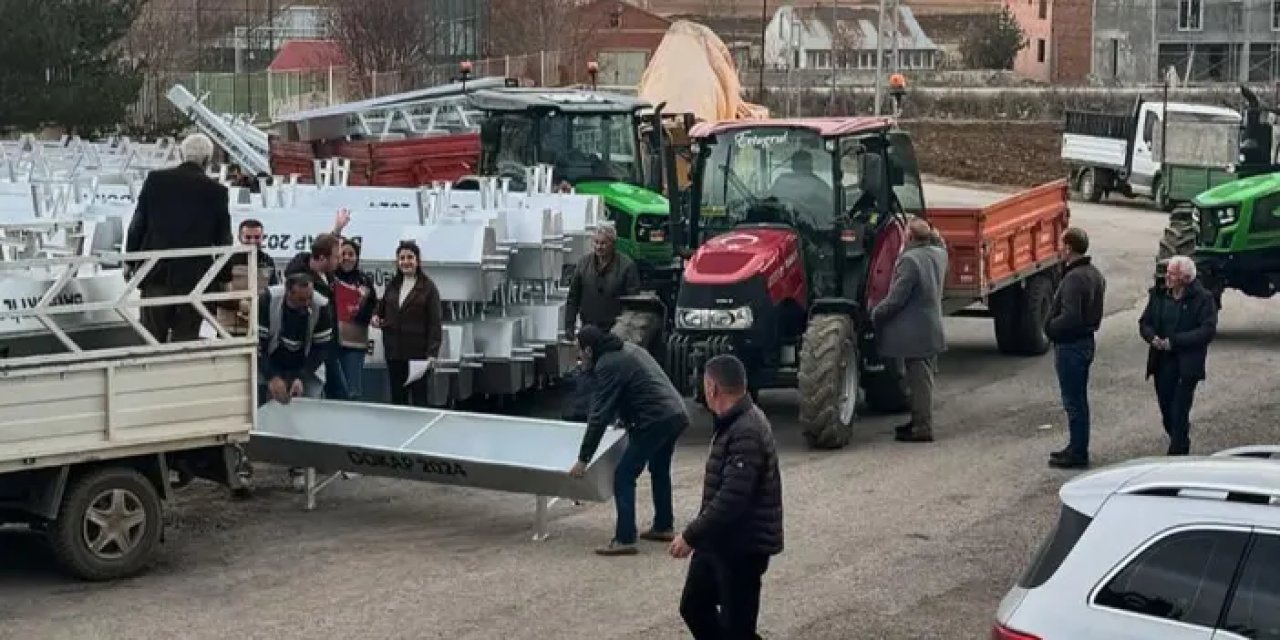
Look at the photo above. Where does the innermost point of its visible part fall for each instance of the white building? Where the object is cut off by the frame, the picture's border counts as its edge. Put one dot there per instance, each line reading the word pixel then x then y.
pixel 805 38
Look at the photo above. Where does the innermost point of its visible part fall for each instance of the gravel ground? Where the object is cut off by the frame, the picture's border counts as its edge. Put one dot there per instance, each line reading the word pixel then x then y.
pixel 884 540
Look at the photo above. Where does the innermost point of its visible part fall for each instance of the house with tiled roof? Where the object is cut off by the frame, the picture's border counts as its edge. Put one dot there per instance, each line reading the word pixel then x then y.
pixel 845 38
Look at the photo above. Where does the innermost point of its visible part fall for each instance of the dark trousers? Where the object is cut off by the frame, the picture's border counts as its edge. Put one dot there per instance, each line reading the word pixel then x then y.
pixel 1072 361
pixel 721 599
pixel 170 323
pixel 653 447
pixel 335 378
pixel 920 379
pixel 1175 394
pixel 413 395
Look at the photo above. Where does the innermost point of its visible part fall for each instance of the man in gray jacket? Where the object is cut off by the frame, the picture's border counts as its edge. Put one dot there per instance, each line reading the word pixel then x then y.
pixel 632 387
pixel 908 322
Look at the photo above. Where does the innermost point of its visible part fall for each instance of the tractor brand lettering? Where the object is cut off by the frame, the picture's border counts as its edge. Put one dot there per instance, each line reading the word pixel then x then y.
pixel 760 140
pixel 406 462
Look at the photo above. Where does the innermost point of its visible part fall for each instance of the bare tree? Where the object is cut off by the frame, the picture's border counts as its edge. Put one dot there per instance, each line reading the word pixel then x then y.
pixel 382 36
pixel 567 27
pixel 846 44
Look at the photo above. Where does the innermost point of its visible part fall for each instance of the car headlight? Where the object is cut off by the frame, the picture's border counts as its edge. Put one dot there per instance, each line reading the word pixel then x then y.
pixel 715 319
pixel 1226 216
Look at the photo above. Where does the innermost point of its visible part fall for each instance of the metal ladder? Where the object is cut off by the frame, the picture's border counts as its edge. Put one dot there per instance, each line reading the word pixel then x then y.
pixel 246 149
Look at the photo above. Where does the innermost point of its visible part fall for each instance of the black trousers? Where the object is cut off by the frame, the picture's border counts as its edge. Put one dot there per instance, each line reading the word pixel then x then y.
pixel 171 323
pixel 729 582
pixel 1175 394
pixel 413 395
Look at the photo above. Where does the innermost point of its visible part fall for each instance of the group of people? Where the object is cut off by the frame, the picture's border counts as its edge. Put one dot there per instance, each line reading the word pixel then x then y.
pixel 315 315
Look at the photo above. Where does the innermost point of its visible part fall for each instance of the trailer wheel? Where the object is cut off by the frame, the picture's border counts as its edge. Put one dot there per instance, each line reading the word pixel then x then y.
pixel 1019 314
pixel 1090 190
pixel 639 327
pixel 108 526
pixel 828 381
pixel 887 390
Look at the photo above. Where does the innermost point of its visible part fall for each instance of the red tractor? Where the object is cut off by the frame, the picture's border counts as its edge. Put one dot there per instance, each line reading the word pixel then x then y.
pixel 797 226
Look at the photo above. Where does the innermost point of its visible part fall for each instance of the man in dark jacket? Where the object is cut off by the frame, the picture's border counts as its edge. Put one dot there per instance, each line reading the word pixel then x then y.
pixel 179 208
pixel 294 334
pixel 1075 316
pixel 630 386
pixel 908 323
pixel 598 282
pixel 1179 323
pixel 320 264
pixel 739 526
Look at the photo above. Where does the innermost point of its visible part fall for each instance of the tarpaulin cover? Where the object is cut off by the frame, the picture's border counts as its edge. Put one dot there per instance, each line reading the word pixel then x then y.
pixel 693 72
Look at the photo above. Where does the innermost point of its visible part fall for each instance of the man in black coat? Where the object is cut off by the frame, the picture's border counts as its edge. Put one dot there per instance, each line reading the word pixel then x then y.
pixel 1075 316
pixel 179 208
pixel 1179 323
pixel 632 387
pixel 739 526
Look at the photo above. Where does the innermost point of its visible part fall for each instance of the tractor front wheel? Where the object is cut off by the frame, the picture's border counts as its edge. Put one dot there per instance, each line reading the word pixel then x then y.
pixel 639 327
pixel 828 381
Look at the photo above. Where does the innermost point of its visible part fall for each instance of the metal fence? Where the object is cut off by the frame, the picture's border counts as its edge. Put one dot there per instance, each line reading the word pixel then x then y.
pixel 271 95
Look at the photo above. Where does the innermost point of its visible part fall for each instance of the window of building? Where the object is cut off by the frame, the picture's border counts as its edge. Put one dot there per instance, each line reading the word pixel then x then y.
pixel 615 18
pixel 1183 577
pixel 1254 611
pixel 1044 9
pixel 1275 15
pixel 1040 50
pixel 1190 15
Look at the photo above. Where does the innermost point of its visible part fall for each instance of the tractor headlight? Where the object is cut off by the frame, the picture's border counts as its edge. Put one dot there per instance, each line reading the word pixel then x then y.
pixel 1226 216
pixel 715 319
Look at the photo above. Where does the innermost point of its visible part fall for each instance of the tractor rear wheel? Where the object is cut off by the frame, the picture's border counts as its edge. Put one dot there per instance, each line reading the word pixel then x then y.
pixel 1019 313
pixel 887 389
pixel 639 327
pixel 829 381
pixel 1179 237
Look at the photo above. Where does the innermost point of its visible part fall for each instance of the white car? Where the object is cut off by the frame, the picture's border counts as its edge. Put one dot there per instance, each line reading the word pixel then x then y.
pixel 1158 548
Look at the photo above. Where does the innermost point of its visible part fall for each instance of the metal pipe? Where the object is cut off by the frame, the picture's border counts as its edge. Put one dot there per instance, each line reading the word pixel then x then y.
pixel 880 58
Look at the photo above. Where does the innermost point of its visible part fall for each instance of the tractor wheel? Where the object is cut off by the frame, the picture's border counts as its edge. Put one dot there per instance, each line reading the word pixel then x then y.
pixel 887 390
pixel 829 381
pixel 108 526
pixel 1019 314
pixel 639 327
pixel 1090 190
pixel 1179 237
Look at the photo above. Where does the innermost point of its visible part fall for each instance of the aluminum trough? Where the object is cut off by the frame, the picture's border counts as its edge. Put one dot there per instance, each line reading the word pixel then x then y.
pixel 499 453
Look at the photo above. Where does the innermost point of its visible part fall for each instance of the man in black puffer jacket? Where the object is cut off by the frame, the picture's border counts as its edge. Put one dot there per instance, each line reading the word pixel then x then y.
pixel 629 385
pixel 739 526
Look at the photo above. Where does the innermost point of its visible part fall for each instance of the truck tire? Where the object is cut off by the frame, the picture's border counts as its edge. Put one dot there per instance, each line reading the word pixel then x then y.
pixel 1160 193
pixel 109 525
pixel 1090 190
pixel 639 327
pixel 828 381
pixel 1019 314
pixel 887 390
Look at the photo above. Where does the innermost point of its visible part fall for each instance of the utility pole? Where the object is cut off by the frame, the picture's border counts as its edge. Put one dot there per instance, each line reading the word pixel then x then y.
pixel 880 58
pixel 764 25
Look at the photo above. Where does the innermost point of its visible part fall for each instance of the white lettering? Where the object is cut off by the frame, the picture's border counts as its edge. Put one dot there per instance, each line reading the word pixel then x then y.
pixel 760 140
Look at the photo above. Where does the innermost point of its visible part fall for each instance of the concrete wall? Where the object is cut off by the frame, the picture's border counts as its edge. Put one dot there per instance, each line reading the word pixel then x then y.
pixel 1123 49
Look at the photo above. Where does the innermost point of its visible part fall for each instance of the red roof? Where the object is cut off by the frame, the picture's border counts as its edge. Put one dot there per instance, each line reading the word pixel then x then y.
pixel 306 55
pixel 825 127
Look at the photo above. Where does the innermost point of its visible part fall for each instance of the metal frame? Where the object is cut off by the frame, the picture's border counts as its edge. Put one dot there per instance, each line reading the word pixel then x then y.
pixel 243 148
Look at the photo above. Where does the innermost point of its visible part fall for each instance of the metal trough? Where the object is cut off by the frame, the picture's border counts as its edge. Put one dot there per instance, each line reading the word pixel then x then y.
pixel 516 455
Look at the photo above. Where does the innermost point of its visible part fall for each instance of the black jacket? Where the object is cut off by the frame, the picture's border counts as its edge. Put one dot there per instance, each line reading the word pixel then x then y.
pixel 742 490
pixel 180 208
pixel 594 294
pixel 1189 336
pixel 1077 305
pixel 630 385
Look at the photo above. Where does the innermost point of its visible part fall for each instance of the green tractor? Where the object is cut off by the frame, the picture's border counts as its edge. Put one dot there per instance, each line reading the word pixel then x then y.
pixel 611 145
pixel 1233 230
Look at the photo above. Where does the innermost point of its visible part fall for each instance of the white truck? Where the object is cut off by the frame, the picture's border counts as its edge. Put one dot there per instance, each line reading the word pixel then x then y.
pixel 93 428
pixel 1129 153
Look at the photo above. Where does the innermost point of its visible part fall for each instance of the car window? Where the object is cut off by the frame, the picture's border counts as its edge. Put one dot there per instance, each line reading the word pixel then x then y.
pixel 1254 611
pixel 1183 577
pixel 1071 525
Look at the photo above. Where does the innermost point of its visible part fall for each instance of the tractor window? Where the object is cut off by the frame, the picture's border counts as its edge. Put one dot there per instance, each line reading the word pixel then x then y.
pixel 1266 214
pixel 769 175
pixel 909 194
pixel 903 156
pixel 585 147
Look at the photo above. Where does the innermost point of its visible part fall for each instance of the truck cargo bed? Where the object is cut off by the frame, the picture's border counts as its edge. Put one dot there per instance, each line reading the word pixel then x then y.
pixel 997 245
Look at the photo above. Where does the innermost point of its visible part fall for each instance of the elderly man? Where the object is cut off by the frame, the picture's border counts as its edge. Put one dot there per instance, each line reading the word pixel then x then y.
pixel 1075 316
pixel 179 208
pixel 1179 322
pixel 600 279
pixel 908 323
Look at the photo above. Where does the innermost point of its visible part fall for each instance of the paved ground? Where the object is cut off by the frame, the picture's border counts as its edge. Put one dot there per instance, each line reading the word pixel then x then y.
pixel 883 540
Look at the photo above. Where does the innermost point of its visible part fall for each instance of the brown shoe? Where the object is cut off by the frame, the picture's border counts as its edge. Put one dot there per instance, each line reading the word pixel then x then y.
pixel 616 549
pixel 658 536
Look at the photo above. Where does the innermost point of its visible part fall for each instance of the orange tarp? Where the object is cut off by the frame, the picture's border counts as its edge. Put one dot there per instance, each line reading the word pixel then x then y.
pixel 693 72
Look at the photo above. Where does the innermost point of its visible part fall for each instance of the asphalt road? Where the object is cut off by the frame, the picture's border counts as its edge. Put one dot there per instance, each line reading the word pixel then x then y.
pixel 884 540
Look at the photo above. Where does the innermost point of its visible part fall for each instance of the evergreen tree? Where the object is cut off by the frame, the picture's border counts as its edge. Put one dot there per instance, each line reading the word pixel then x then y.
pixel 995 44
pixel 62 66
